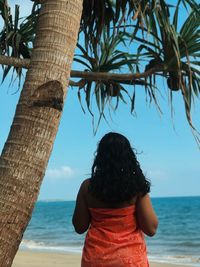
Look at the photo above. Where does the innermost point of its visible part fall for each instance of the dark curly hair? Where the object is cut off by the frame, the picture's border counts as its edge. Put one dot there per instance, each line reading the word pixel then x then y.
pixel 116 173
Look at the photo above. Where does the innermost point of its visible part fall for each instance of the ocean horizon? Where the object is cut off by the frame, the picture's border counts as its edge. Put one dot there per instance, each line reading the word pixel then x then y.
pixel 66 200
pixel 177 239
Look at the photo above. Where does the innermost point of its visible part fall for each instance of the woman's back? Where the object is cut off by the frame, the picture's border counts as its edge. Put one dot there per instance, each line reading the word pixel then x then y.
pixel 114 239
pixel 93 202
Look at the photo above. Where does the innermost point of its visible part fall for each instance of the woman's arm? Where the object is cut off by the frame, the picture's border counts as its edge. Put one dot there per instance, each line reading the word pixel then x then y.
pixel 81 216
pixel 146 216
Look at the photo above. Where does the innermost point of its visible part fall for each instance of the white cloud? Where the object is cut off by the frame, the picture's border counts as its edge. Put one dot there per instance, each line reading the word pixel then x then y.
pixel 63 172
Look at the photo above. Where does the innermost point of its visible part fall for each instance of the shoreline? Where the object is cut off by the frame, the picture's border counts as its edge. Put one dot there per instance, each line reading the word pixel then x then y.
pixel 53 259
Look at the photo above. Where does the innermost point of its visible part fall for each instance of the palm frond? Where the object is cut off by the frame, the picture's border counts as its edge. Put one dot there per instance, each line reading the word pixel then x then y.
pixel 123 36
pixel 106 57
pixel 17 35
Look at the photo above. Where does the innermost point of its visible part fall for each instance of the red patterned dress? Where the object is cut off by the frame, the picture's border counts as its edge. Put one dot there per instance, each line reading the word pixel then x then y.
pixel 114 240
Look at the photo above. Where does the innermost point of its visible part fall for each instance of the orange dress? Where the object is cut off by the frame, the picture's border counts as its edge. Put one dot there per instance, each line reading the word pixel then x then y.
pixel 114 240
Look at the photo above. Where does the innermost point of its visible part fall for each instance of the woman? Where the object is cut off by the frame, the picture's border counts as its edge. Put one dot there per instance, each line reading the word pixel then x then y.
pixel 115 206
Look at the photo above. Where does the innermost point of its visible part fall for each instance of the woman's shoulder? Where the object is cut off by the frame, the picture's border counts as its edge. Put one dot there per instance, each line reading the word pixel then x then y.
pixel 86 183
pixel 84 186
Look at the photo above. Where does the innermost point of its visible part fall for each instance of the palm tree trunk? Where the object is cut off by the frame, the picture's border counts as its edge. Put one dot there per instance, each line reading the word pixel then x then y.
pixel 30 141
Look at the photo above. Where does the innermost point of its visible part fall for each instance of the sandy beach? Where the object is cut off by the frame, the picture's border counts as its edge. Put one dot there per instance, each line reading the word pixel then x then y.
pixel 41 259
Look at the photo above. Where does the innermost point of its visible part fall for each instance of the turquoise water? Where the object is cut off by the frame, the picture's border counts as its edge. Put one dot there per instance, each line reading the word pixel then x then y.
pixel 177 239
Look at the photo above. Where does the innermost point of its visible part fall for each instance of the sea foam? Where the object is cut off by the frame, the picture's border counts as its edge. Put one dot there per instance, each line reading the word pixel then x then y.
pixel 41 246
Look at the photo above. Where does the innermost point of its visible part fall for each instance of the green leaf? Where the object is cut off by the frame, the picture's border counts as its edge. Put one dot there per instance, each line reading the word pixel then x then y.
pixel 82 62
pixel 87 97
pixel 16 17
pixel 80 101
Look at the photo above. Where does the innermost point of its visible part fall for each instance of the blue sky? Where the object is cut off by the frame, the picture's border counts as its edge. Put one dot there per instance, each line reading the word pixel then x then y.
pixel 169 158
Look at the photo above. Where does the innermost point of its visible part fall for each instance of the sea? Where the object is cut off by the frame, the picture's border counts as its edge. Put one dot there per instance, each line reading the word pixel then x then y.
pixel 177 239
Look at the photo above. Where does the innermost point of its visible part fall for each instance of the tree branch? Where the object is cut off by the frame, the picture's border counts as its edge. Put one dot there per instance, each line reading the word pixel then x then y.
pixel 93 76
pixel 106 76
pixel 15 62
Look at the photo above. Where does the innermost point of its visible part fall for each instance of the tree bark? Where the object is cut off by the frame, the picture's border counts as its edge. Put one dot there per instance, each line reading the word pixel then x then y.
pixel 28 147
